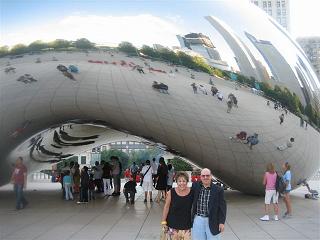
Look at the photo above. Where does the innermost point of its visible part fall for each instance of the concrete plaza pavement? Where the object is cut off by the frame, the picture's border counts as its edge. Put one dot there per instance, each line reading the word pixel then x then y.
pixel 49 217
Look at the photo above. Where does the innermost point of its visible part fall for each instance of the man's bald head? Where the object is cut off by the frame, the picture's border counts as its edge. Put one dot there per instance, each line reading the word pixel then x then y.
pixel 205 171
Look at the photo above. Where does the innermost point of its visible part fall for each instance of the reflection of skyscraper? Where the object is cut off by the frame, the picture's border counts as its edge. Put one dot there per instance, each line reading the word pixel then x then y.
pixel 311 47
pixel 278 9
pixel 281 70
pixel 202 45
pixel 243 59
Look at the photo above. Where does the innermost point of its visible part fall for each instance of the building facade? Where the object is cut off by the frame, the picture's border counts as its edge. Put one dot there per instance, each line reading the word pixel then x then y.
pixel 278 9
pixel 202 45
pixel 311 47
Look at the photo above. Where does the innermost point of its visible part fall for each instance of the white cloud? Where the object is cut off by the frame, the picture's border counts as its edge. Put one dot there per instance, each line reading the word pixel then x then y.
pixel 138 29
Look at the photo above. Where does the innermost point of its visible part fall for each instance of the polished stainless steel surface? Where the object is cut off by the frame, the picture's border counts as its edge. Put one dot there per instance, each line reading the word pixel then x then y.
pixel 195 126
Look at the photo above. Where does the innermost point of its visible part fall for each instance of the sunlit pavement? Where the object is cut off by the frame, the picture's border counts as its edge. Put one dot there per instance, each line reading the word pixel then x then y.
pixel 49 217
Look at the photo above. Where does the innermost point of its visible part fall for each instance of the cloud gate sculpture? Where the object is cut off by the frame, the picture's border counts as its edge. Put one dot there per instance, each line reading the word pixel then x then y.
pixel 115 92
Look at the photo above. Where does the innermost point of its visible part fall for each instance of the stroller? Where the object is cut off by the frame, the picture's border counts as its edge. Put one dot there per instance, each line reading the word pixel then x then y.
pixel 313 194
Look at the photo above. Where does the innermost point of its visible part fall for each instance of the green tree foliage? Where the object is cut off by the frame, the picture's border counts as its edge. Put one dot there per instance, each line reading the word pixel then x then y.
pixel 141 156
pixel 149 51
pixel 169 56
pixel 60 44
pixel 128 48
pixel 19 49
pixel 83 43
pixel 180 165
pixel 37 45
pixel 4 50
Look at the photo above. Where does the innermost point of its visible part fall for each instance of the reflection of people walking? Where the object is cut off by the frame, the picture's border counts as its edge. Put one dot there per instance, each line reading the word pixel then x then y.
pixel 176 216
pixel 269 181
pixel 209 208
pixel 19 179
pixel 194 88
pixel 281 118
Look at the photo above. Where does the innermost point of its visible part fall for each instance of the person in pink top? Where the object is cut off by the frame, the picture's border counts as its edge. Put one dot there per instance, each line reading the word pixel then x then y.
pixel 269 180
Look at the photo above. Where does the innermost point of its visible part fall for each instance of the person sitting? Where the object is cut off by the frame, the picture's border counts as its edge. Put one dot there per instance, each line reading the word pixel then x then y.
pixel 129 190
pixel 252 140
pixel 288 144
pixel 240 136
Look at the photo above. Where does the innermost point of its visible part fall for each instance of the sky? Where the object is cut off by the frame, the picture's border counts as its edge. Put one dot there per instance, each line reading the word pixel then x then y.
pixel 26 21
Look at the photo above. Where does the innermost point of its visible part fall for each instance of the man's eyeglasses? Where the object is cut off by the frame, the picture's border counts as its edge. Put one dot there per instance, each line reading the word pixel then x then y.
pixel 204 176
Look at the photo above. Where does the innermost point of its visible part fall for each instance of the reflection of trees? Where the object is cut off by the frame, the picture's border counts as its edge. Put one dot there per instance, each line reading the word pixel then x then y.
pixel 37 46
pixel 180 165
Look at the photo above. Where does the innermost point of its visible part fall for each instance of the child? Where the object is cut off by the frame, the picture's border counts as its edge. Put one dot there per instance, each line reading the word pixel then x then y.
pixel 130 189
pixel 67 186
pixel 91 188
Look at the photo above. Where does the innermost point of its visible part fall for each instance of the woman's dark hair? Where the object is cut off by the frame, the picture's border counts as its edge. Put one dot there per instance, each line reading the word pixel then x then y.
pixel 183 175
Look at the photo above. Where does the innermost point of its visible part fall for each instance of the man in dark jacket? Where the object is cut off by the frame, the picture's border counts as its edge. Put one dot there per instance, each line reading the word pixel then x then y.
pixel 84 185
pixel 208 208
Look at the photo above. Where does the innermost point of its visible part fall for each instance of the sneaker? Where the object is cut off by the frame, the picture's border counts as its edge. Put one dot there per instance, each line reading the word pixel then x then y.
pixel 285 215
pixel 145 201
pixel 276 218
pixel 265 218
pixel 151 200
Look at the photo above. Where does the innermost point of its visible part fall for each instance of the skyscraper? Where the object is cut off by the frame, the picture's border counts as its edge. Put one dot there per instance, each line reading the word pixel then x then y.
pixel 311 47
pixel 278 9
pixel 201 44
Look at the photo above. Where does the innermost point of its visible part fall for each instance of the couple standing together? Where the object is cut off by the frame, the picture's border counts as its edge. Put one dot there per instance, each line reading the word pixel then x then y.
pixel 201 207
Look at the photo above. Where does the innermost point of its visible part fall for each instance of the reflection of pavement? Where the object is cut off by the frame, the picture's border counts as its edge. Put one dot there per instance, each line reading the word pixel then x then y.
pixel 48 217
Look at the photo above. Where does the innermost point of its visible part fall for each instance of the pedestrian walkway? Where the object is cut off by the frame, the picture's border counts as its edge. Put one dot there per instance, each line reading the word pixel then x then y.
pixel 48 217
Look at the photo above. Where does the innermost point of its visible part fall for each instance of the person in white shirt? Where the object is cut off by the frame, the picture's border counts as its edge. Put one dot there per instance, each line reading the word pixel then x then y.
pixel 147 172
pixel 154 167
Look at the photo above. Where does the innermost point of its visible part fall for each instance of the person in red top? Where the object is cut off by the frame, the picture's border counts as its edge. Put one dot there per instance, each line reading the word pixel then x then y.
pixel 19 179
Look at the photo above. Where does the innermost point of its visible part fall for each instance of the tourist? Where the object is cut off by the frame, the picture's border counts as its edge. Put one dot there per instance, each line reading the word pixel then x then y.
pixel 129 190
pixel 176 215
pixel 146 178
pixel 170 176
pixel 208 209
pixel 67 185
pixel 288 144
pixel 287 179
pixel 116 174
pixel 162 174
pixel 19 179
pixel 269 181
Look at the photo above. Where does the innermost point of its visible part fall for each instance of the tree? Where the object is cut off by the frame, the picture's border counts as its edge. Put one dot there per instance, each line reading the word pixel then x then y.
pixel 4 50
pixel 60 43
pixel 141 156
pixel 19 49
pixel 83 43
pixel 127 47
pixel 149 51
pixel 37 45
pixel 180 165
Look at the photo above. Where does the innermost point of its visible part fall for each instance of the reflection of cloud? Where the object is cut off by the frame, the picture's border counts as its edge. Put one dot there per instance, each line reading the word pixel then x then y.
pixel 139 29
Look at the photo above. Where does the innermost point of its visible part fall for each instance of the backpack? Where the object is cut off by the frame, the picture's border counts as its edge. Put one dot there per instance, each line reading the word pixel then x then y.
pixel 280 184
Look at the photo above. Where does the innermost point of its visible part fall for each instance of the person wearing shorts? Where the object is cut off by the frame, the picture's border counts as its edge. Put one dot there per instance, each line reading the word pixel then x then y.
pixel 147 184
pixel 271 195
